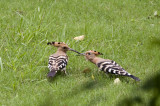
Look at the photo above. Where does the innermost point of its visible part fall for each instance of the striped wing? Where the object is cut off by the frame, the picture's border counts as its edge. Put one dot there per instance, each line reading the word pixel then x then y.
pixel 112 67
pixel 57 62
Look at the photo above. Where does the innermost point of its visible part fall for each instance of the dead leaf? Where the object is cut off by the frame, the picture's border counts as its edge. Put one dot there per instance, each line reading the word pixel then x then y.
pixel 155 13
pixel 79 37
pixel 93 77
pixel 117 81
pixel 87 70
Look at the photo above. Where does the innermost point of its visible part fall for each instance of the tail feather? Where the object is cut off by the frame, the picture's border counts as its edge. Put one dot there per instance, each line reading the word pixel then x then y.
pixel 52 73
pixel 135 78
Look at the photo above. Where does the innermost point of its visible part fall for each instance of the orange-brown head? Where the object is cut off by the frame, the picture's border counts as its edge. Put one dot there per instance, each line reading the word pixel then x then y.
pixel 94 52
pixel 91 54
pixel 62 46
pixel 57 44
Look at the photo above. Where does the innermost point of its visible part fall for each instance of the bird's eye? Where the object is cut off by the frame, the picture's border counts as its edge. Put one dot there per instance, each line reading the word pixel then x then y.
pixel 89 53
pixel 64 47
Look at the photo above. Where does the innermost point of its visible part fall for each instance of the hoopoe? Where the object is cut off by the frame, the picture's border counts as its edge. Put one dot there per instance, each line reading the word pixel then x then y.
pixel 106 65
pixel 58 60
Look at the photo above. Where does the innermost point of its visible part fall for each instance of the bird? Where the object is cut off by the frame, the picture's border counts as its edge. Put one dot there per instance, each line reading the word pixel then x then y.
pixel 107 65
pixel 58 61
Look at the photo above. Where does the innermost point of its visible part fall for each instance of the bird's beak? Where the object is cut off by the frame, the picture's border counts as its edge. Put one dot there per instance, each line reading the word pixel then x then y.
pixel 81 54
pixel 73 50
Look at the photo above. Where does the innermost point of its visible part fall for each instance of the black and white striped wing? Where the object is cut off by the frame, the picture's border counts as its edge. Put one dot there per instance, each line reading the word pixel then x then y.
pixel 112 67
pixel 57 62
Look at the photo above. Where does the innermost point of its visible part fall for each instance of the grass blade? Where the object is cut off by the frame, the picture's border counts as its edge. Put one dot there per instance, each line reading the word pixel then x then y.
pixel 1 64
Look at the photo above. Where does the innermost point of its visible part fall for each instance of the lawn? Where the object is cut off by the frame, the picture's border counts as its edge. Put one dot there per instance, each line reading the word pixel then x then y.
pixel 123 30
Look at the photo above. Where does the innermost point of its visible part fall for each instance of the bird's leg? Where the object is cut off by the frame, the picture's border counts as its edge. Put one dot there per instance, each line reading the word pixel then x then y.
pixel 108 74
pixel 64 70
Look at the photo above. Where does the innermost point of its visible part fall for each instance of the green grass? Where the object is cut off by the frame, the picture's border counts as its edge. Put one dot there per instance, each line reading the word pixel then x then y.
pixel 121 29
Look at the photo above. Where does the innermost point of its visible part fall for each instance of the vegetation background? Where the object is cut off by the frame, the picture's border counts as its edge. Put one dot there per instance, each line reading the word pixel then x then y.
pixel 126 31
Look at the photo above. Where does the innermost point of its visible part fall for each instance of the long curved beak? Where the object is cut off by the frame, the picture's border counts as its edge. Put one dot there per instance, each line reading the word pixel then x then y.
pixel 81 54
pixel 73 50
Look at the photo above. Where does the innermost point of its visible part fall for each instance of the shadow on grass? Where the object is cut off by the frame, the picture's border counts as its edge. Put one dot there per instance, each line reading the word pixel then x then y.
pixel 51 99
pixel 96 100
pixel 152 84
pixel 85 86
pixel 91 84
pixel 155 41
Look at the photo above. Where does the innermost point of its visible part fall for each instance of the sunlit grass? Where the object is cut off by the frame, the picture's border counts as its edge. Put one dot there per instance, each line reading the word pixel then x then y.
pixel 121 30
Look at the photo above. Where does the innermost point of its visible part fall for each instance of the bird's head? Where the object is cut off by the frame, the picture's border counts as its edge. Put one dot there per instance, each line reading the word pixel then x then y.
pixel 62 46
pixel 91 54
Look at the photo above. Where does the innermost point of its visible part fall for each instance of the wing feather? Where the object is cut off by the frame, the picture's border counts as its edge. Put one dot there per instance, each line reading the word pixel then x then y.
pixel 57 62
